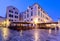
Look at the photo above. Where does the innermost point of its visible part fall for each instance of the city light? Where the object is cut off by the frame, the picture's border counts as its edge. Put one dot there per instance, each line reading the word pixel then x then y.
pixel 53 25
pixel 45 20
pixel 35 20
pixel 6 23
pixel 48 25
pixel 5 32
pixel 36 32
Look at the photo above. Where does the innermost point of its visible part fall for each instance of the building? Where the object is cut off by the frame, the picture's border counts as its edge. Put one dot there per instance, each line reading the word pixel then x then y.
pixel 35 14
pixel 12 14
pixel 21 17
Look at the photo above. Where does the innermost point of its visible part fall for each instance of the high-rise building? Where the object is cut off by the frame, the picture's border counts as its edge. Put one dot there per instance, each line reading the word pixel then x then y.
pixel 12 14
pixel 35 13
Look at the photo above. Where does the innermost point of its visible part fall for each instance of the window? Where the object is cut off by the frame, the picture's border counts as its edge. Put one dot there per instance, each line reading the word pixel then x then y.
pixel 47 18
pixel 24 16
pixel 31 13
pixel 10 15
pixel 14 8
pixel 41 14
pixel 27 15
pixel 16 16
pixel 16 12
pixel 38 13
pixel 38 19
pixel 11 11
pixel 31 8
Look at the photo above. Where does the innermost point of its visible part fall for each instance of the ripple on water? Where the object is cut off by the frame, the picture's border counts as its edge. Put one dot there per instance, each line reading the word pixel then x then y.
pixel 28 35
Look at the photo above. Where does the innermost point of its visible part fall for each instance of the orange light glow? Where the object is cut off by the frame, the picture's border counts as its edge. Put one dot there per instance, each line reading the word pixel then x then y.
pixel 45 20
pixel 36 20
pixel 5 33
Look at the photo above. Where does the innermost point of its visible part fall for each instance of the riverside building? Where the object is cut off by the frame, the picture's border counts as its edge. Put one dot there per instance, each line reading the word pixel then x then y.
pixel 36 13
pixel 12 14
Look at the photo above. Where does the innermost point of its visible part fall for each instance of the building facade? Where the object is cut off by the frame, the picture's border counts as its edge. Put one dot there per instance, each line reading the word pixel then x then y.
pixel 35 13
pixel 21 17
pixel 12 14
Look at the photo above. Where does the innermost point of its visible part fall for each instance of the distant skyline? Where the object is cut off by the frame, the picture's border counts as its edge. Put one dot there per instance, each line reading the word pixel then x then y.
pixel 52 7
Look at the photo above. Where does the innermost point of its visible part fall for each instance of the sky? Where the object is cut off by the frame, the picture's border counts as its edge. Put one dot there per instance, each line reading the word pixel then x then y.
pixel 52 7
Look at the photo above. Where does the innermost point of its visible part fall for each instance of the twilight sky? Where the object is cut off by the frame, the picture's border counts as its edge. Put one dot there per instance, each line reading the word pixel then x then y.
pixel 52 7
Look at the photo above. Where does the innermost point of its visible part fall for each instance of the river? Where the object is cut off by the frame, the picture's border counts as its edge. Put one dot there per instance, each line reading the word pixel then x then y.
pixel 27 35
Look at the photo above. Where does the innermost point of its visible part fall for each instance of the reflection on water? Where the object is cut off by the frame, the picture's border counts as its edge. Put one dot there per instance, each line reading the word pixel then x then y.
pixel 36 35
pixel 5 32
pixel 28 35
pixel 21 33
